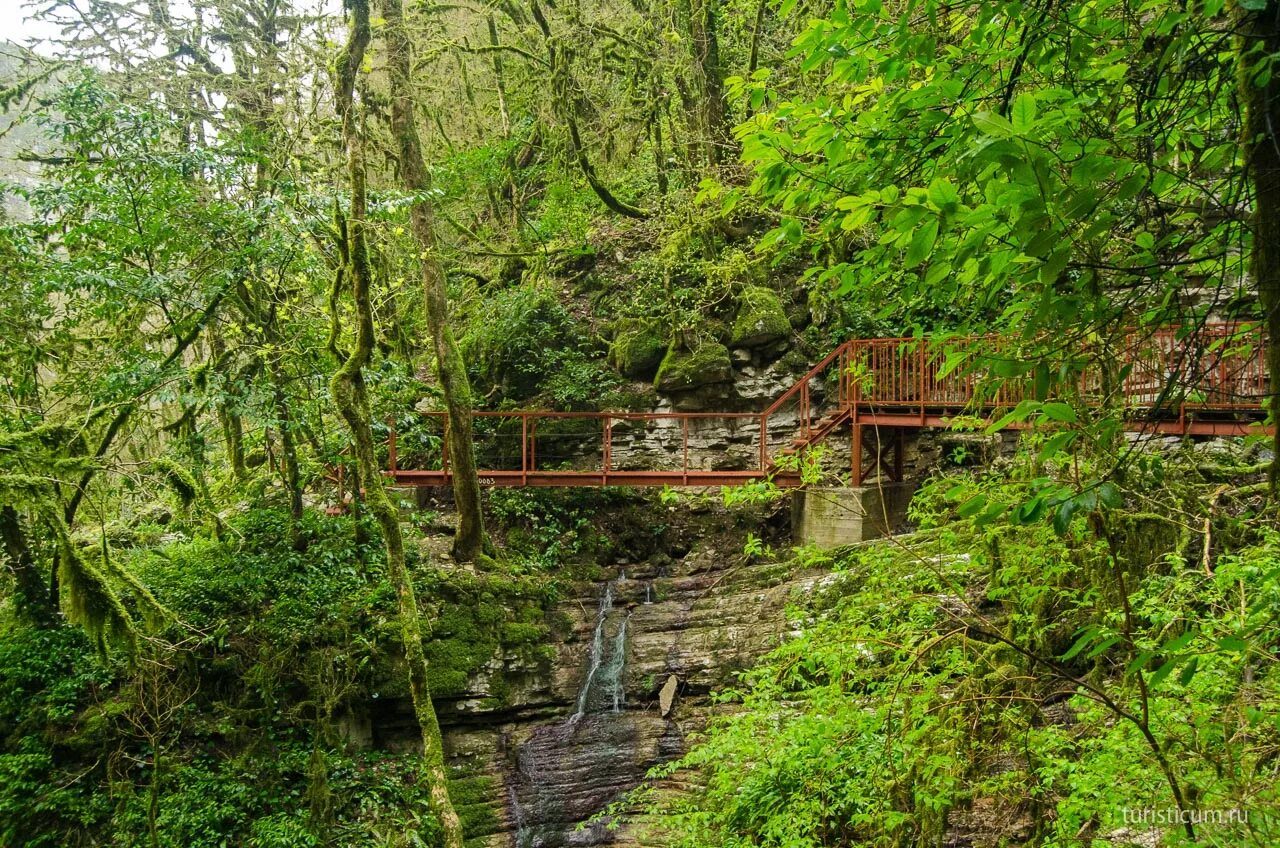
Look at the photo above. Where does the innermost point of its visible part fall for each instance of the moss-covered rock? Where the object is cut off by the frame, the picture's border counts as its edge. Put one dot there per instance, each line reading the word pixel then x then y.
pixel 761 320
pixel 637 348
pixel 682 370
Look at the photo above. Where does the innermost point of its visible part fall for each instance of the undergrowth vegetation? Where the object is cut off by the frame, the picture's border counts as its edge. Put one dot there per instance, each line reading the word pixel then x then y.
pixel 1015 683
pixel 236 726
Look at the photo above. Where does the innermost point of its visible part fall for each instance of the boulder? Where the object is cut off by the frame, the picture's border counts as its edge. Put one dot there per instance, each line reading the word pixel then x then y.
pixel 667 695
pixel 684 370
pixel 761 319
pixel 637 348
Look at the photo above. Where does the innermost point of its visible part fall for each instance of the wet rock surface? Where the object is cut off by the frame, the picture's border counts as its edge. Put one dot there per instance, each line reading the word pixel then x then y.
pixel 636 656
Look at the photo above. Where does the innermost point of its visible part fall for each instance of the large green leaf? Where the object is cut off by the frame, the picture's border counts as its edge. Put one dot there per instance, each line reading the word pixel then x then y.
pixel 1023 113
pixel 922 243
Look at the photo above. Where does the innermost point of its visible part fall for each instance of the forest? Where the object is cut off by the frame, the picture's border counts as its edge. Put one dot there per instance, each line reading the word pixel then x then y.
pixel 669 423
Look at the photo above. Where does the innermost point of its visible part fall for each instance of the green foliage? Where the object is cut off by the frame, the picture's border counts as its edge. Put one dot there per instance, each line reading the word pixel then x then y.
pixel 46 676
pixel 521 342
pixel 1063 675
pixel 928 178
pixel 274 643
pixel 555 531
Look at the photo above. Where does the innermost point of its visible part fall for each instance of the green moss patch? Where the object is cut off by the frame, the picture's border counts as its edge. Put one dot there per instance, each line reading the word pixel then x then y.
pixel 682 370
pixel 637 348
pixel 761 320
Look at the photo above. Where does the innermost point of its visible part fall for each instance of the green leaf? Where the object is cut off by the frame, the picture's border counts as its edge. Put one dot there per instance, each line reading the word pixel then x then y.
pixel 972 506
pixel 990 514
pixel 1232 643
pixel 1161 673
pixel 1030 511
pixel 943 194
pixel 1056 444
pixel 1189 671
pixel 1086 635
pixel 990 123
pixel 1109 495
pixel 1062 517
pixel 1138 663
pixel 1103 647
pixel 1179 642
pixel 1023 113
pixel 922 243
pixel 1020 413
pixel 1059 411
pixel 1055 264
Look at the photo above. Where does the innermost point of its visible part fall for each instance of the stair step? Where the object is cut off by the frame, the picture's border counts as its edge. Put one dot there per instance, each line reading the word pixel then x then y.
pixel 798 442
pixel 788 452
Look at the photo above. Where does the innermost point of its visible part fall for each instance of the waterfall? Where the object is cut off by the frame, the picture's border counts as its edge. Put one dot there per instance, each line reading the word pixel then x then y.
pixel 617 661
pixel 606 660
pixel 597 651
pixel 524 838
pixel 566 772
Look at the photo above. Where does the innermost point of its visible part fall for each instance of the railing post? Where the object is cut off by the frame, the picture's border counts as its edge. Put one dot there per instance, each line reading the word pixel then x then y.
pixel 608 447
pixel 843 382
pixel 685 447
pixel 764 441
pixel 524 448
pixel 855 451
pixel 804 408
pixel 1223 374
pixel 391 445
pixel 920 381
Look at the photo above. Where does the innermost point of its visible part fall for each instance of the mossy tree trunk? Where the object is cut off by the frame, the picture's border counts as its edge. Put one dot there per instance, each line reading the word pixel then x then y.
pixel 227 407
pixel 352 400
pixel 1259 84
pixel 32 601
pixel 711 118
pixel 284 417
pixel 452 372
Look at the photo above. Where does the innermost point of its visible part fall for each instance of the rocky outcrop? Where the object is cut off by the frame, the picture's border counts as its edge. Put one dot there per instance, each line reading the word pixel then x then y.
pixel 637 349
pixel 761 320
pixel 683 370
pixel 540 749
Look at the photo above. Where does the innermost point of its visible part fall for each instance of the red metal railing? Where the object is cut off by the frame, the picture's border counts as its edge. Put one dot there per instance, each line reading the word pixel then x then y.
pixel 536 448
pixel 1216 367
pixel 1210 380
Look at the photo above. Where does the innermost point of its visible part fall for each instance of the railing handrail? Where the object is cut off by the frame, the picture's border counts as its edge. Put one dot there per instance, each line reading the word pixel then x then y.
pixel 810 374
pixel 551 413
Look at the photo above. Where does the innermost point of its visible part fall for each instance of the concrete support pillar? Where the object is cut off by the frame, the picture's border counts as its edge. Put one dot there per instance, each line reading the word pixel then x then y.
pixel 835 516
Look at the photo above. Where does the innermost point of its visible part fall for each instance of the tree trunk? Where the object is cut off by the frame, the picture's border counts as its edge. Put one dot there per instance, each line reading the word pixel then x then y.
pixel 470 540
pixel 1259 45
pixel 33 602
pixel 228 417
pixel 706 48
pixel 353 404
pixel 289 452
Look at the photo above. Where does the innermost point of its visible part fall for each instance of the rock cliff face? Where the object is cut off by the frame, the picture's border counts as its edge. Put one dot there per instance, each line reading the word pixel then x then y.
pixel 696 619
pixel 636 656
